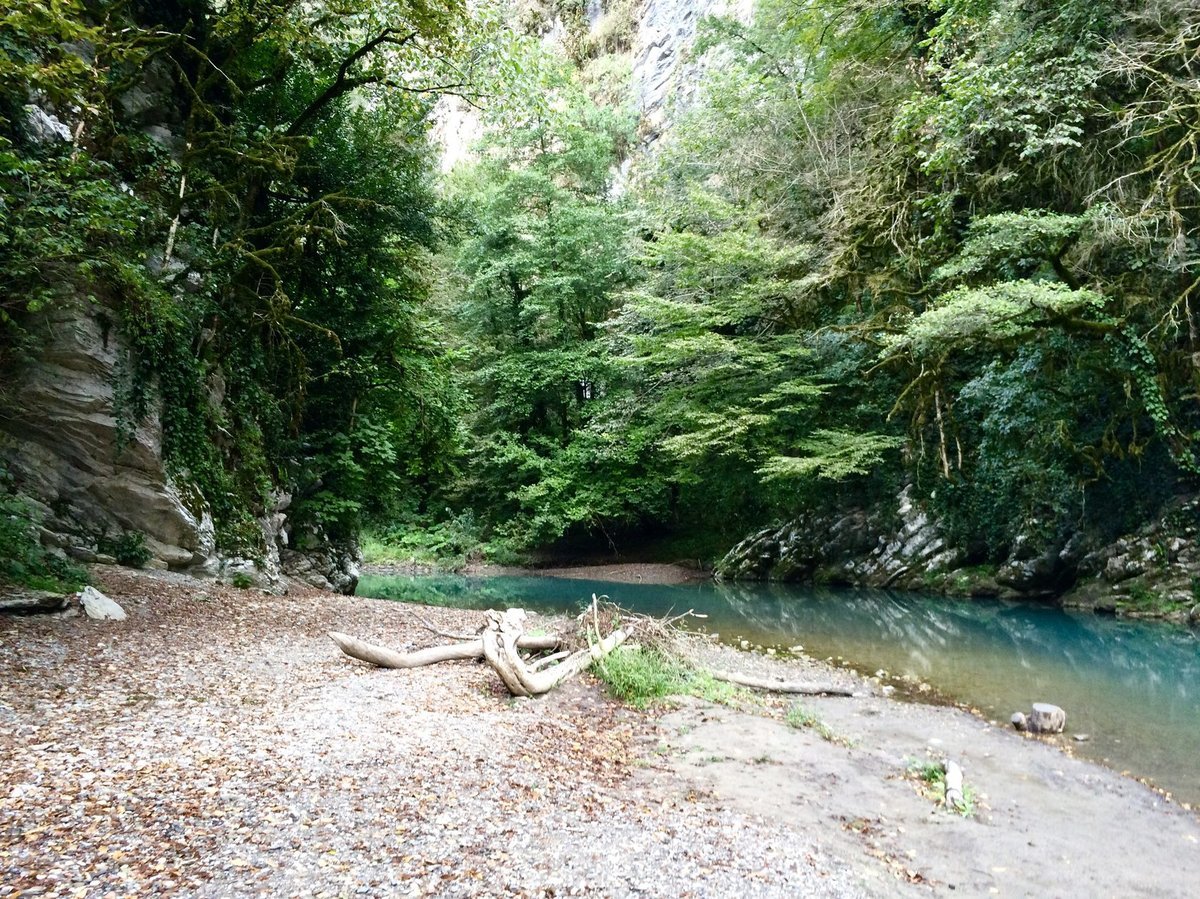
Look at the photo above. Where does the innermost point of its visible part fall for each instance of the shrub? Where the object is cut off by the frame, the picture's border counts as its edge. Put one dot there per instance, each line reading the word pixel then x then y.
pixel 128 548
pixel 23 559
pixel 643 677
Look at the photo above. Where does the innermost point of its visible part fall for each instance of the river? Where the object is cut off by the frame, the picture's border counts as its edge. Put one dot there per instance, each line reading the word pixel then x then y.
pixel 1132 687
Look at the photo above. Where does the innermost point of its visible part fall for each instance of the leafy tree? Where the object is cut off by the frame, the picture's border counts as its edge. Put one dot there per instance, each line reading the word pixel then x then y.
pixel 268 258
pixel 540 264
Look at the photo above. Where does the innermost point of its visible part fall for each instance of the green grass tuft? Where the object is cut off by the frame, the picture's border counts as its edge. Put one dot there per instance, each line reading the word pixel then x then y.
pixel 800 717
pixel 934 777
pixel 643 677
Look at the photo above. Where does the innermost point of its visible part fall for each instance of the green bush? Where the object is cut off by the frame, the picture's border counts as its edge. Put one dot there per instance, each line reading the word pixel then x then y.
pixel 128 548
pixel 643 677
pixel 23 559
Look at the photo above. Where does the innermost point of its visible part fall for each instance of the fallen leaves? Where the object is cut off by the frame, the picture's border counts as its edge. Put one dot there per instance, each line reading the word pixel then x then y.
pixel 221 748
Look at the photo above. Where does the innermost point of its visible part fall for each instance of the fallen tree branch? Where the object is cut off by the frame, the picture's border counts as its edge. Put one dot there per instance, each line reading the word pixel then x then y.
pixel 383 657
pixel 779 686
pixel 954 785
pixel 434 629
pixel 543 662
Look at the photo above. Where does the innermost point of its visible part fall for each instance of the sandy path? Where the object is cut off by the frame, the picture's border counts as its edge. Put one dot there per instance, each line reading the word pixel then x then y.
pixel 1045 824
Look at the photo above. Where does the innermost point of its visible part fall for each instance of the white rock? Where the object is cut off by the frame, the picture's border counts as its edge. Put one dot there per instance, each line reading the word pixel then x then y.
pixel 99 606
pixel 44 127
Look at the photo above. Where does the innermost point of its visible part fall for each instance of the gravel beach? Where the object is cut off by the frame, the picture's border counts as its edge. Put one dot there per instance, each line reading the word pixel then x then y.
pixel 217 744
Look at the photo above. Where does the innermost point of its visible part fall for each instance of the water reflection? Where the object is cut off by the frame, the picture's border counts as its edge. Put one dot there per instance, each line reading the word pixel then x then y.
pixel 1134 686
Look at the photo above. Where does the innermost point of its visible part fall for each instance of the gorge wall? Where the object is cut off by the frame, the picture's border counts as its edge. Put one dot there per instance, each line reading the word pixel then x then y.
pixel 1154 571
pixel 92 473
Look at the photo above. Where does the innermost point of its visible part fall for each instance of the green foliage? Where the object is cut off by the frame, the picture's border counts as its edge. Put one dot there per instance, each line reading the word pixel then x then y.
pixel 268 262
pixel 23 559
pixel 127 547
pixel 241 580
pixel 1003 314
pixel 1012 245
pixel 950 243
pixel 447 544
pixel 543 252
pixel 644 677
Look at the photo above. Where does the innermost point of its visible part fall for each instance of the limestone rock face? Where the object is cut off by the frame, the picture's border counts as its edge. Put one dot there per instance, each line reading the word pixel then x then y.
pixel 854 547
pixel 323 565
pixel 64 445
pixel 664 80
pixel 44 127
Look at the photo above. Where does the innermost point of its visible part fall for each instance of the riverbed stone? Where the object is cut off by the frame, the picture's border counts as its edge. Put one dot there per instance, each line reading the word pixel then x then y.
pixel 98 606
pixel 1044 719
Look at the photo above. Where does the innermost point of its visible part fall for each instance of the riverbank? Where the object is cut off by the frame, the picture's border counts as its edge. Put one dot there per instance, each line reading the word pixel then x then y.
pixel 619 573
pixel 216 744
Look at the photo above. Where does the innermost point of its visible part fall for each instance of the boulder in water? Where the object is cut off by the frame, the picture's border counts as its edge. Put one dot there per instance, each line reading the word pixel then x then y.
pixel 1044 719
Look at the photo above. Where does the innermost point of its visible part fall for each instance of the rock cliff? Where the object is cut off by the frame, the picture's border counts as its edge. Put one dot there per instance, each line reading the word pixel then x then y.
pixel 94 477
pixel 1153 572
pixel 91 475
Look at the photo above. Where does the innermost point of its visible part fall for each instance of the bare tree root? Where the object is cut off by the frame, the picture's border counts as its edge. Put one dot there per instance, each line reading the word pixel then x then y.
pixel 500 643
pixel 383 657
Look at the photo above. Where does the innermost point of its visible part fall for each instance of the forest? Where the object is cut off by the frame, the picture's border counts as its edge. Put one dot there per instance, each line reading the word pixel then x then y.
pixel 951 245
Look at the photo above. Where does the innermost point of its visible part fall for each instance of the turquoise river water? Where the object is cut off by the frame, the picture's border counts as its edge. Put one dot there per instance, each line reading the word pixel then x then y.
pixel 1134 687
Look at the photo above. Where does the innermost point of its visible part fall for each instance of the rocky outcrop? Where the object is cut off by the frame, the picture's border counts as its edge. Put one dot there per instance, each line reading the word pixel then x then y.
pixel 322 564
pixel 92 477
pixel 32 602
pixel 1154 572
pixel 665 79
pixel 903 549
pixel 89 475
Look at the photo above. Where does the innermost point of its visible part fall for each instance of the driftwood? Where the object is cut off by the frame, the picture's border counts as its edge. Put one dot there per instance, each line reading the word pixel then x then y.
pixel 779 686
pixel 500 643
pixel 383 657
pixel 954 785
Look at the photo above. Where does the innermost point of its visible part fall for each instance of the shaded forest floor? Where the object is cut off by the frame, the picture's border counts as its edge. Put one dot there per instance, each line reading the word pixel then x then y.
pixel 216 744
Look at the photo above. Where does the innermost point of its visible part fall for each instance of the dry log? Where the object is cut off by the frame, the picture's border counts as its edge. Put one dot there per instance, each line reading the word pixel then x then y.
pixel 434 629
pixel 954 784
pixel 500 645
pixel 390 658
pixel 780 686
